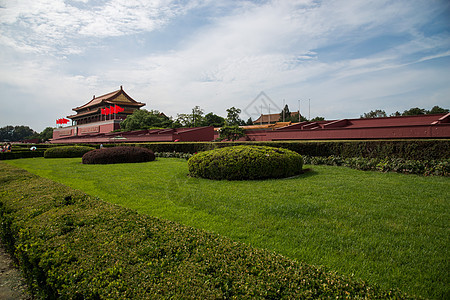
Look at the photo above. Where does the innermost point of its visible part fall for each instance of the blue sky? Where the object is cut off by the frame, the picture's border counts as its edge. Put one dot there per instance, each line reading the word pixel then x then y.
pixel 347 56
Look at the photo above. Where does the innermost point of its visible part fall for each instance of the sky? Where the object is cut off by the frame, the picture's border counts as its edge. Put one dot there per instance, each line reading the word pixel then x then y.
pixel 331 58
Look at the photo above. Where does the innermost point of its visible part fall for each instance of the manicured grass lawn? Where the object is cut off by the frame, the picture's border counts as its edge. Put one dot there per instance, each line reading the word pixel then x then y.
pixel 390 229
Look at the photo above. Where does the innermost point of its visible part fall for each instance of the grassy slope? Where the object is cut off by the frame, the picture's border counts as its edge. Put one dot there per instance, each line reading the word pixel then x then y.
pixel 389 229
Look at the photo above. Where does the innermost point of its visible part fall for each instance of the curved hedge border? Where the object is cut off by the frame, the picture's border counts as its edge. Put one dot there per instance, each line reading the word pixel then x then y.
pixel 245 162
pixel 72 246
pixel 67 151
pixel 116 155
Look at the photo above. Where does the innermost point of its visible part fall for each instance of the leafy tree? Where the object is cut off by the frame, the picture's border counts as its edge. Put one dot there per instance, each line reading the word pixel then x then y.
pixel 317 119
pixel 46 134
pixel 374 114
pixel 414 112
pixel 15 133
pixel 197 116
pixel 249 121
pixel 231 132
pixel 396 114
pixel 144 119
pixel 185 120
pixel 438 110
pixel 233 116
pixel 213 120
pixel 285 115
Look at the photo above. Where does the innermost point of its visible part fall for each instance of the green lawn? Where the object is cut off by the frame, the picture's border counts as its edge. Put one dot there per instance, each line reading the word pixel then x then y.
pixel 385 228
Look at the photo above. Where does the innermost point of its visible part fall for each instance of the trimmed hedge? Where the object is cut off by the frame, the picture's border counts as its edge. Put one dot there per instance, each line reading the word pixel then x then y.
pixel 117 155
pixel 399 165
pixel 406 149
pixel 67 151
pixel 26 153
pixel 245 162
pixel 72 246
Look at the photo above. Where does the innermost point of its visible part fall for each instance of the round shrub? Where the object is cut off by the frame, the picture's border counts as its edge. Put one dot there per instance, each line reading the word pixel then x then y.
pixel 245 162
pixel 67 151
pixel 116 155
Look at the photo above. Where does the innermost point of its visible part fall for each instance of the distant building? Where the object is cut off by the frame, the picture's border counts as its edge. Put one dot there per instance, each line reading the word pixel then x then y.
pixel 273 118
pixel 89 119
pixel 92 111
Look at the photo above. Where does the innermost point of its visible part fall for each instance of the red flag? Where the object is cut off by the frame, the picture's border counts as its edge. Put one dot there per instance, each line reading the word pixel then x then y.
pixel 103 111
pixel 107 111
pixel 57 121
pixel 65 121
pixel 118 109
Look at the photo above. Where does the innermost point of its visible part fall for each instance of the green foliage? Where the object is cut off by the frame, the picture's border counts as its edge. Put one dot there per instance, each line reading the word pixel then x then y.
pixel 233 118
pixel 231 132
pixel 15 133
pixel 22 153
pixel 144 119
pixel 414 111
pixel 173 155
pixel 399 165
pixel 116 155
pixel 406 149
pixel 67 151
pixel 72 246
pixel 245 162
pixel 438 110
pixel 213 120
pixel 46 134
pixel 374 114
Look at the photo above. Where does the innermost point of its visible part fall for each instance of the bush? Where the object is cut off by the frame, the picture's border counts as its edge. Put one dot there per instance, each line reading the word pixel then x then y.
pixel 72 246
pixel 245 162
pixel 117 155
pixel 67 151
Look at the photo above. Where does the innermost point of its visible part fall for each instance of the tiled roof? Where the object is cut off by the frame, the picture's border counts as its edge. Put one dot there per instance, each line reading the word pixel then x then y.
pixel 106 99
pixel 271 118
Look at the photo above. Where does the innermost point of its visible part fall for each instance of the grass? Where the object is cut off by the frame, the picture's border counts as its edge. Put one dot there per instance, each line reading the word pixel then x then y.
pixel 385 228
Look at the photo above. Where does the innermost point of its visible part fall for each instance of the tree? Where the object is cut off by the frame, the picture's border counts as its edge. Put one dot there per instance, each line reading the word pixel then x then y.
pixel 249 121
pixel 231 133
pixel 396 114
pixel 15 133
pixel 374 114
pixel 213 120
pixel 285 115
pixel 144 119
pixel 233 116
pixel 414 112
pixel 438 110
pixel 317 119
pixel 185 120
pixel 197 116
pixel 46 134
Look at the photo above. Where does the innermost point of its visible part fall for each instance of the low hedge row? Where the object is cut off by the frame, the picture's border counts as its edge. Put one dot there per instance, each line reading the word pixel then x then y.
pixel 72 246
pixel 245 163
pixel 406 149
pixel 26 153
pixel 67 151
pixel 399 165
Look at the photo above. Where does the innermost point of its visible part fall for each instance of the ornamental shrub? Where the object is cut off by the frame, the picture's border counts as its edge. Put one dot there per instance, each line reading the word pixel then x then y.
pixel 245 162
pixel 117 155
pixel 67 151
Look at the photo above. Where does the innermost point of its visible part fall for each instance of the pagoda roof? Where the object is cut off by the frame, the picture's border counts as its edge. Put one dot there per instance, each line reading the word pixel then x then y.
pixel 116 97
